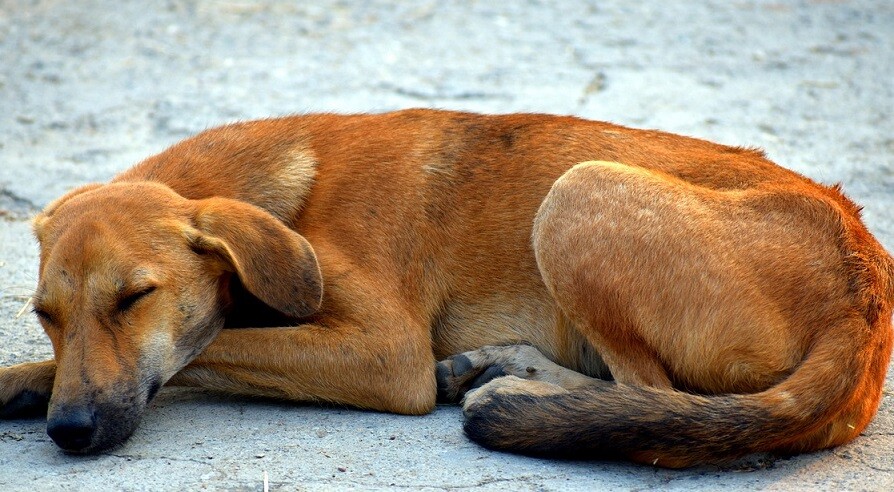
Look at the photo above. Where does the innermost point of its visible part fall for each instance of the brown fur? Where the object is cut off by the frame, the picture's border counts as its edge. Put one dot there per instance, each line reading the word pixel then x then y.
pixel 371 246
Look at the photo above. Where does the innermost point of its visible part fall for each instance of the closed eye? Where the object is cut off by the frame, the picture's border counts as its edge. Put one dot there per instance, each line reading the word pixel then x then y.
pixel 128 301
pixel 45 316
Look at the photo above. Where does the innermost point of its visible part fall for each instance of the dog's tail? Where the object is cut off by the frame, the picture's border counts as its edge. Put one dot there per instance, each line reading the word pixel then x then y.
pixel 827 400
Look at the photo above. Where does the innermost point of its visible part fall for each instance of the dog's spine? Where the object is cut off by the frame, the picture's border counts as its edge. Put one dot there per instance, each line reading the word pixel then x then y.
pixel 676 429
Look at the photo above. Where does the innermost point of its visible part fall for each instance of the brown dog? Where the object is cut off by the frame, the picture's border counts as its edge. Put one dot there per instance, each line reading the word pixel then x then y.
pixel 738 306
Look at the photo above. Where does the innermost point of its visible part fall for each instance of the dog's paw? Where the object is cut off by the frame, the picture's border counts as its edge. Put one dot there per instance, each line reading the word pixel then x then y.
pixel 27 404
pixel 461 373
pixel 509 385
pixel 25 390
pixel 458 374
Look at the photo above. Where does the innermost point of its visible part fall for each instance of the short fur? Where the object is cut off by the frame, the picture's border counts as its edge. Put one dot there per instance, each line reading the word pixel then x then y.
pixel 738 306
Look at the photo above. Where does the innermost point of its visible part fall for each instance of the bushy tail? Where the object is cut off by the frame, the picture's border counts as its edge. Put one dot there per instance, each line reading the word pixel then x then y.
pixel 675 429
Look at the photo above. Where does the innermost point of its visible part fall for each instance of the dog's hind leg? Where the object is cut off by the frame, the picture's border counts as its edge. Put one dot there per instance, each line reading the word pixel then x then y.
pixel 590 240
pixel 675 284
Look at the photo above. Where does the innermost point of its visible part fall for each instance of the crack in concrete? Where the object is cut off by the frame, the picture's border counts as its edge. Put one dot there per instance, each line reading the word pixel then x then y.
pixel 410 486
pixel 13 204
pixel 862 461
pixel 131 457
pixel 443 95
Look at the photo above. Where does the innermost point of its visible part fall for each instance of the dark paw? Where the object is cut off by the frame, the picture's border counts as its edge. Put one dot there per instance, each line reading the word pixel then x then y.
pixel 485 377
pixel 458 375
pixel 27 404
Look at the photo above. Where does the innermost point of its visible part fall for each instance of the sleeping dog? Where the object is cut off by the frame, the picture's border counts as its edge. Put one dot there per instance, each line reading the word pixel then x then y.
pixel 589 289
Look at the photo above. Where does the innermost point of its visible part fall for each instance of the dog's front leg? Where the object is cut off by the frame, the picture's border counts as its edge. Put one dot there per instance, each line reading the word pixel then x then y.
pixel 25 389
pixel 391 371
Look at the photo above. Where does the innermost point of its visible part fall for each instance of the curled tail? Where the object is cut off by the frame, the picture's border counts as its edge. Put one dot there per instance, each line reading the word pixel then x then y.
pixel 827 400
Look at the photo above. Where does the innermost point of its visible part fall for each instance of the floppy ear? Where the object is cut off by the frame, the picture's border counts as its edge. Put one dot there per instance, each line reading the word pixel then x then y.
pixel 276 264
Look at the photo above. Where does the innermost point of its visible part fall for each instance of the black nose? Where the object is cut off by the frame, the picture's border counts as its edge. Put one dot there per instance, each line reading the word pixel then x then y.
pixel 72 428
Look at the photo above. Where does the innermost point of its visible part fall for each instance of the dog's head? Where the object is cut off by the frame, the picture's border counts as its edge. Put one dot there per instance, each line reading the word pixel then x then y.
pixel 135 282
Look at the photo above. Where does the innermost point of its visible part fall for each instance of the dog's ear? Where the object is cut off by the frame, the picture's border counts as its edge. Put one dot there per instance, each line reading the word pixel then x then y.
pixel 40 220
pixel 276 264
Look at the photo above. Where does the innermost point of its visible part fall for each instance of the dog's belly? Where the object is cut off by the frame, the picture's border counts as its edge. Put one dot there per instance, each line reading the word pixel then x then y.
pixel 507 319
pixel 465 325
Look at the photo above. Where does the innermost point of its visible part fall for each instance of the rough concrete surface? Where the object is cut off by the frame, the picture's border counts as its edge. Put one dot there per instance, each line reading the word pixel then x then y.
pixel 89 87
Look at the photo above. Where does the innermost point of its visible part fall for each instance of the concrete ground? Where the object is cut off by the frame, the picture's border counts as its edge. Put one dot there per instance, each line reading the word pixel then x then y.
pixel 89 87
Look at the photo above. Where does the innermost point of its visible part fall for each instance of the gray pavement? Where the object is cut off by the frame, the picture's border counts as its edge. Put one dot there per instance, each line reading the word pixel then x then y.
pixel 89 87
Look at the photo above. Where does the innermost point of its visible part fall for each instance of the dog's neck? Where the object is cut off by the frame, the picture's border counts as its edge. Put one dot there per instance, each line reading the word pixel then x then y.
pixel 274 172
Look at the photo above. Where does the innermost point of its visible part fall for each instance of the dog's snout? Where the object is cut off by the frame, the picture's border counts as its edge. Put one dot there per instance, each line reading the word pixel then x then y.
pixel 72 428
